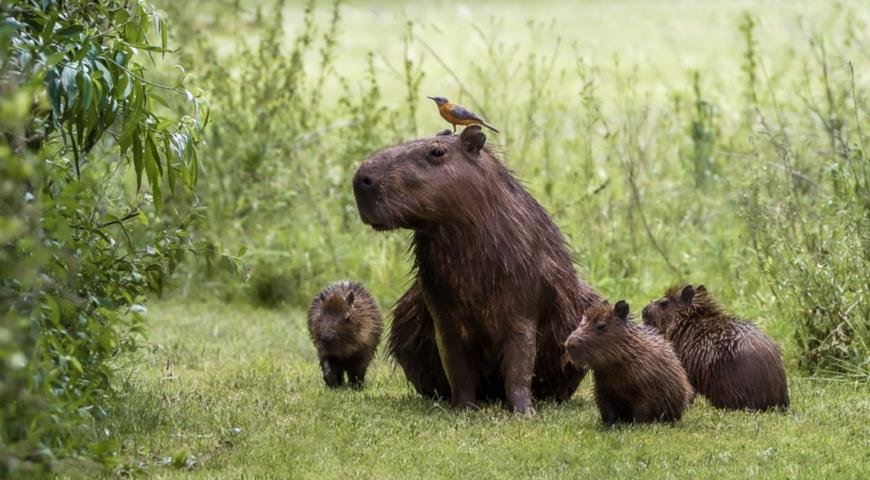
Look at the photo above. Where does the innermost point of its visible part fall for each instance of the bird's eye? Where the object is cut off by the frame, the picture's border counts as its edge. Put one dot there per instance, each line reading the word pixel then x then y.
pixel 438 152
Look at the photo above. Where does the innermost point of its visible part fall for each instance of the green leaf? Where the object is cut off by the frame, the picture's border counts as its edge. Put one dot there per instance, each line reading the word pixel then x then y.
pixel 123 87
pixel 69 31
pixel 150 161
pixel 68 81
pixel 138 163
pixel 170 170
pixel 106 74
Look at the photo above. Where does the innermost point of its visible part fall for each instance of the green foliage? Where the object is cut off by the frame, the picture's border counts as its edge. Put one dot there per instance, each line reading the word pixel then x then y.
pixel 749 65
pixel 811 236
pixel 277 175
pixel 700 159
pixel 82 241
pixel 271 288
pixel 654 176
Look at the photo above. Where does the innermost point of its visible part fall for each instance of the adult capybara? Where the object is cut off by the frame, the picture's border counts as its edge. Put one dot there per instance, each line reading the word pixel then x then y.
pixel 638 377
pixel 345 324
pixel 729 361
pixel 495 294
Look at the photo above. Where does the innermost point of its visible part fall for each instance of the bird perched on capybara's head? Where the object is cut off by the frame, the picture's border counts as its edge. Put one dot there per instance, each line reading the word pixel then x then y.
pixel 729 361
pixel 345 324
pixel 638 377
pixel 495 292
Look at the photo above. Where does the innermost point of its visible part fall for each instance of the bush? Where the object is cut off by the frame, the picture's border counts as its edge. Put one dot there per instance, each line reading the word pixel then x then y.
pixel 809 224
pixel 83 239
pixel 271 287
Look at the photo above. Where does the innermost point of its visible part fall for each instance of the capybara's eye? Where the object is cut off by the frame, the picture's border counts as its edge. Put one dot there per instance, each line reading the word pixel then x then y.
pixel 347 318
pixel 664 303
pixel 437 152
pixel 600 326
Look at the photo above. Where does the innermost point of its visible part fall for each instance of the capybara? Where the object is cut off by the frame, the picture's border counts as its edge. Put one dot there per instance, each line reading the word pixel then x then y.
pixel 638 377
pixel 495 293
pixel 345 324
pixel 729 361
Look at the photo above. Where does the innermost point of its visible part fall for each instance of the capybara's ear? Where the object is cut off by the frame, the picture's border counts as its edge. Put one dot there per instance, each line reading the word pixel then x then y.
pixel 472 139
pixel 688 294
pixel 621 310
pixel 444 133
pixel 349 298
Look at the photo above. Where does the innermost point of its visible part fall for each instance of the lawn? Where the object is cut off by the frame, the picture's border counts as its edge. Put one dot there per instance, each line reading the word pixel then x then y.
pixel 232 391
pixel 711 142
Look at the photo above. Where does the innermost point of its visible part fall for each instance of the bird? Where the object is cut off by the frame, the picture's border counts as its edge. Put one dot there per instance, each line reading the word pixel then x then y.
pixel 459 115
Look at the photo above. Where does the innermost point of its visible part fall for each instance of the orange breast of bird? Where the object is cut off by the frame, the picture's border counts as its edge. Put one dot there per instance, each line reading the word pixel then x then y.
pixel 446 112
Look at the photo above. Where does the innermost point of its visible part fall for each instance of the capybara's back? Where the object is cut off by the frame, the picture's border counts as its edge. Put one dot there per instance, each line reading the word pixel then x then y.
pixel 729 361
pixel 345 325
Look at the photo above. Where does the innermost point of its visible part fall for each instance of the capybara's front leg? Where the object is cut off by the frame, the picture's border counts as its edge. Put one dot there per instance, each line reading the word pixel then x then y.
pixel 518 366
pixel 608 412
pixel 356 376
pixel 332 375
pixel 460 371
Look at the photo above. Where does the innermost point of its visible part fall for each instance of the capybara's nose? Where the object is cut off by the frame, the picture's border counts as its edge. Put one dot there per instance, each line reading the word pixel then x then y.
pixel 363 181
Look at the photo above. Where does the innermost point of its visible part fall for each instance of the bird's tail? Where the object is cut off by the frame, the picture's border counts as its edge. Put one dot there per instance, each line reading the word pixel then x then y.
pixel 489 127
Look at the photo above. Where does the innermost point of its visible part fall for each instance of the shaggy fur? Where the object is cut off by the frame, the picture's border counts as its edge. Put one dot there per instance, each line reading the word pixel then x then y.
pixel 345 324
pixel 638 377
pixel 495 293
pixel 729 361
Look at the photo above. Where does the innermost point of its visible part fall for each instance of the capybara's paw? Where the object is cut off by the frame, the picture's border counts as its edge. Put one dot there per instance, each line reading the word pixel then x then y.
pixel 333 379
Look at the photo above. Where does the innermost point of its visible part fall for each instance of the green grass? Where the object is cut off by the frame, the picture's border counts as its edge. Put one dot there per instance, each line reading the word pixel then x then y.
pixel 232 391
pixel 651 181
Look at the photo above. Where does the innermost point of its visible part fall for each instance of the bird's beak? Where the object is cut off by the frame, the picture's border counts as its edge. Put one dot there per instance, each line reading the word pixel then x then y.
pixel 431 98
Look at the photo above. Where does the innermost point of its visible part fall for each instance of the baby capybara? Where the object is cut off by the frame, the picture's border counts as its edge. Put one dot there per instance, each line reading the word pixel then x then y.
pixel 345 324
pixel 638 377
pixel 495 292
pixel 729 361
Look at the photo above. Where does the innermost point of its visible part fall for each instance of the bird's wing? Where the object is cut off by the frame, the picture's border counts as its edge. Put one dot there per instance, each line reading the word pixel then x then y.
pixel 463 113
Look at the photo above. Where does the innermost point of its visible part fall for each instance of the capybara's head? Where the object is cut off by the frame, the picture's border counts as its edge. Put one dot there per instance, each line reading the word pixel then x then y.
pixel 424 182
pixel 335 327
pixel 679 304
pixel 596 340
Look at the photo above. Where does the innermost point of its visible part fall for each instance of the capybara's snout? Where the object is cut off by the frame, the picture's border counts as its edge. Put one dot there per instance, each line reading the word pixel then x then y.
pixel 365 191
pixel 364 181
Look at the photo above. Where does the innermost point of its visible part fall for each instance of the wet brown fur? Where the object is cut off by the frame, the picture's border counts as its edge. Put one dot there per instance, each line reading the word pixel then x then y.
pixel 729 361
pixel 345 324
pixel 638 377
pixel 495 293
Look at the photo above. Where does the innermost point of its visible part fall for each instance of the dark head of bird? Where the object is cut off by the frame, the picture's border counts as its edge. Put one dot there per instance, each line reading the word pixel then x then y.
pixel 439 100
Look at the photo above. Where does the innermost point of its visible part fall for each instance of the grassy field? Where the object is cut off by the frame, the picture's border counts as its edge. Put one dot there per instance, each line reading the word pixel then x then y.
pixel 707 142
pixel 231 391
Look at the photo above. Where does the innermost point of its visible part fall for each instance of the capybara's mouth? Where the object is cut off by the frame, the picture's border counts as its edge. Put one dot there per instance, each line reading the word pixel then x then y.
pixel 574 354
pixel 371 219
pixel 380 227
